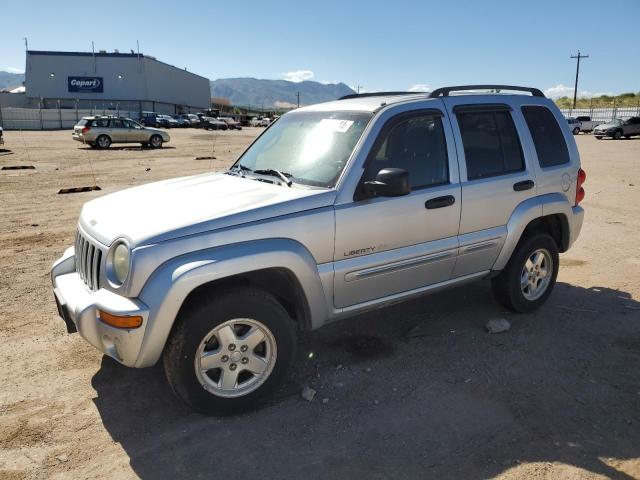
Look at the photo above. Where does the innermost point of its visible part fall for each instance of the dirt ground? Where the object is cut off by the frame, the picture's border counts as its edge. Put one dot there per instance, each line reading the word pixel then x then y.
pixel 418 390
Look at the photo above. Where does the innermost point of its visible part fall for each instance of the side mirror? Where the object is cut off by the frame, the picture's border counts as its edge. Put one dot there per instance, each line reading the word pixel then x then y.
pixel 389 182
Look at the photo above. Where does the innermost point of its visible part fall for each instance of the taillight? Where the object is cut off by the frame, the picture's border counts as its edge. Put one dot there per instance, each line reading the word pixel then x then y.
pixel 582 176
pixel 86 129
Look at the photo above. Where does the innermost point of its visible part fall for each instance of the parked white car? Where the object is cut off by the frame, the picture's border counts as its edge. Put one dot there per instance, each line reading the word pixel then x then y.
pixel 259 122
pixel 586 124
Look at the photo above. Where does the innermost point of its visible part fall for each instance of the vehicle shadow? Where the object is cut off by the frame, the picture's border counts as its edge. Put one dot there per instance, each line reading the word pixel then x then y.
pixel 137 148
pixel 412 391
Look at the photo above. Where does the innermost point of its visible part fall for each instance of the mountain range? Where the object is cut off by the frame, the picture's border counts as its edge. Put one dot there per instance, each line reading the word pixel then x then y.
pixel 10 80
pixel 258 93
pixel 276 93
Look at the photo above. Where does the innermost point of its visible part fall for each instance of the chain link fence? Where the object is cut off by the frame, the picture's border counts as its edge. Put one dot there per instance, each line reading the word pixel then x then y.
pixel 64 114
pixel 602 114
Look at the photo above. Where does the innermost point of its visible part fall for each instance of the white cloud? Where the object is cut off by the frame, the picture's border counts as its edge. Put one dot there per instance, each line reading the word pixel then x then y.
pixel 298 76
pixel 420 87
pixel 12 70
pixel 561 90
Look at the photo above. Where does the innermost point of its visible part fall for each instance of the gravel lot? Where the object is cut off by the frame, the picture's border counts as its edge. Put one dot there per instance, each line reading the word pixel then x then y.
pixel 418 390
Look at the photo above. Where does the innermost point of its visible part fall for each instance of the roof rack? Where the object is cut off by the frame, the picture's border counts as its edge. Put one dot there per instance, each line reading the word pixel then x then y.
pixel 378 94
pixel 445 91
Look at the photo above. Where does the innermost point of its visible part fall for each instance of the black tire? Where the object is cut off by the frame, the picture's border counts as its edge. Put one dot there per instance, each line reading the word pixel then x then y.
pixel 103 142
pixel 598 137
pixel 576 131
pixel 155 141
pixel 617 135
pixel 507 285
pixel 627 137
pixel 195 323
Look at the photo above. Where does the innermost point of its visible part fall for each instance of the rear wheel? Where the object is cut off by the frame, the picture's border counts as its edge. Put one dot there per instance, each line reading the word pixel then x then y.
pixel 103 141
pixel 156 141
pixel 226 355
pixel 530 275
pixel 617 135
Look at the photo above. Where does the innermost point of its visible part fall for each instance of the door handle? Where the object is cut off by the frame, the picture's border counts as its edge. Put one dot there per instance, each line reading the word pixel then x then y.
pixel 440 202
pixel 524 185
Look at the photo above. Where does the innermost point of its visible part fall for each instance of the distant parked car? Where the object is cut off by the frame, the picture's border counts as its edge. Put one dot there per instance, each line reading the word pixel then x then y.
pixel 210 123
pixel 149 119
pixel 586 124
pixel 167 121
pixel 259 122
pixel 574 125
pixel 193 119
pixel 232 123
pixel 618 128
pixel 101 132
pixel 1 139
pixel 182 122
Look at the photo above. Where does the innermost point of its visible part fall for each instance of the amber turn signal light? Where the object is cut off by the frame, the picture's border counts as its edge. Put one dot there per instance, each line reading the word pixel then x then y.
pixel 119 321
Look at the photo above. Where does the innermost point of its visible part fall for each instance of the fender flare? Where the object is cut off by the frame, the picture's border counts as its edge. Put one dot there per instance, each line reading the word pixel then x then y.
pixel 525 213
pixel 173 281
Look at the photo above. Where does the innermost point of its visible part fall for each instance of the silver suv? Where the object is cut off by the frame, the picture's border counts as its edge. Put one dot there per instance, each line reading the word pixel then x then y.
pixel 101 132
pixel 335 209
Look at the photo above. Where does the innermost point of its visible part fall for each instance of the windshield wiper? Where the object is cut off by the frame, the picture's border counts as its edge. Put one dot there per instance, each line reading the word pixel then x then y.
pixel 284 176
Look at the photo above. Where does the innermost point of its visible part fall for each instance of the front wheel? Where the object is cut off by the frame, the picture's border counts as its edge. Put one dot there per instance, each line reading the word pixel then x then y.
pixel 576 131
pixel 155 141
pixel 530 275
pixel 617 135
pixel 228 354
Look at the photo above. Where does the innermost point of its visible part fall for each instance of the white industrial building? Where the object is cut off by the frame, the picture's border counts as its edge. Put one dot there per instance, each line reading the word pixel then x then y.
pixel 61 87
pixel 128 81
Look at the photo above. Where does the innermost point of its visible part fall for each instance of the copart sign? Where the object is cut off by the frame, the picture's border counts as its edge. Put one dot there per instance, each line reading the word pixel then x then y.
pixel 85 84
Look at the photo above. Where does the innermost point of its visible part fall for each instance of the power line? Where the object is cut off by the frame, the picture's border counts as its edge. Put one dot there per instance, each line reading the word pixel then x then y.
pixel 575 87
pixel 298 95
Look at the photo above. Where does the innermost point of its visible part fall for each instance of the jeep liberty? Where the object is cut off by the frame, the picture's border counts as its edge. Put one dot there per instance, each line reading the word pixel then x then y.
pixel 335 209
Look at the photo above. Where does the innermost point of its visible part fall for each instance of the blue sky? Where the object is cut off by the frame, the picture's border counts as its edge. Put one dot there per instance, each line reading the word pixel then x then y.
pixel 390 45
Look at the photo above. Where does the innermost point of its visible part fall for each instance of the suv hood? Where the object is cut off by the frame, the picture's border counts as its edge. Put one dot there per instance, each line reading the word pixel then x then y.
pixel 186 206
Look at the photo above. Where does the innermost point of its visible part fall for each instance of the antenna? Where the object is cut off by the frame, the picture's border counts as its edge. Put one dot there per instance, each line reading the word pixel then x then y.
pixel 26 44
pixel 93 52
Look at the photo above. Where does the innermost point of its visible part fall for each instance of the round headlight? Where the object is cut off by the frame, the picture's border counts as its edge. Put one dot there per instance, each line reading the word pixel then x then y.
pixel 121 262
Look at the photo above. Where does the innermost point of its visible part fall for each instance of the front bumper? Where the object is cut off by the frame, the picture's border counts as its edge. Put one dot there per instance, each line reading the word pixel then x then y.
pixel 79 307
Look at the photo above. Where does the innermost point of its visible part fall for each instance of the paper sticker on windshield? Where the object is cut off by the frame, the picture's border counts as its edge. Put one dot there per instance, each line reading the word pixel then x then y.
pixel 336 125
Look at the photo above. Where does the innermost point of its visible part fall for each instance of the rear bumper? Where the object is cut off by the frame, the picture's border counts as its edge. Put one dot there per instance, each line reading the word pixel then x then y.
pixel 79 307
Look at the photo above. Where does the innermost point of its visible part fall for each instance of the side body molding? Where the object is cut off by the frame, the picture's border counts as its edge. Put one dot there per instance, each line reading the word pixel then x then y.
pixel 172 282
pixel 524 213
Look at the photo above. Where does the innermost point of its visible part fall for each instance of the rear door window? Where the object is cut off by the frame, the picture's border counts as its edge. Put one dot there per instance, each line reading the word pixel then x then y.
pixel 491 143
pixel 116 123
pixel 547 136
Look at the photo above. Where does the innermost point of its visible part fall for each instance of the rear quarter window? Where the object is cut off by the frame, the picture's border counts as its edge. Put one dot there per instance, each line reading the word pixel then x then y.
pixel 547 136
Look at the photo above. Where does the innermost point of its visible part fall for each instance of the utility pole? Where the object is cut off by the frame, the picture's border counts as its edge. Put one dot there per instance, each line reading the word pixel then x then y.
pixel 575 88
pixel 358 87
pixel 298 95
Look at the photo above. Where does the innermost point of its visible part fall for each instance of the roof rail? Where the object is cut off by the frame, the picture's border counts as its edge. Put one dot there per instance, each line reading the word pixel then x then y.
pixel 378 94
pixel 445 91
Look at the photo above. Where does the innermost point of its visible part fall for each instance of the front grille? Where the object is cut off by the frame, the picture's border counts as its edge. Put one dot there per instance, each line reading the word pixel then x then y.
pixel 87 257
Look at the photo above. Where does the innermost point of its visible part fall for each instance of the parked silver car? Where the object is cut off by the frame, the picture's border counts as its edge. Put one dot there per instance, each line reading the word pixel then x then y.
pixel 334 210
pixel 101 132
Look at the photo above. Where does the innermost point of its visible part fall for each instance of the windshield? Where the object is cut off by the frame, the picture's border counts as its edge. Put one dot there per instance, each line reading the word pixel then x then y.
pixel 616 121
pixel 313 147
